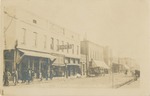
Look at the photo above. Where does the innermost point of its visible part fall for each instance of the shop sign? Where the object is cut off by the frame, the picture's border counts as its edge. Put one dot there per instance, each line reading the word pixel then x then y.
pixel 68 46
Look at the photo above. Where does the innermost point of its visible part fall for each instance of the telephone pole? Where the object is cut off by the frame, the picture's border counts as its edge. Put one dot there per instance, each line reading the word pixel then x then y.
pixel 1 48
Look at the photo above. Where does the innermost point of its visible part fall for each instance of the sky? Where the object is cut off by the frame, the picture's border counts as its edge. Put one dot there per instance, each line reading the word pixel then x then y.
pixel 121 24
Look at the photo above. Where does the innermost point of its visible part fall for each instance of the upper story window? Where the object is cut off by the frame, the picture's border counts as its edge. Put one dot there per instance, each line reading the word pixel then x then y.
pixel 23 36
pixel 57 45
pixel 52 43
pixel 35 38
pixel 34 21
pixel 77 50
pixel 45 39
pixel 62 44
pixel 67 48
pixel 72 49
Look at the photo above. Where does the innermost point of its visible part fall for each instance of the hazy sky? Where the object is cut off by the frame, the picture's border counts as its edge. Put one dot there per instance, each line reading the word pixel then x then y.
pixel 121 24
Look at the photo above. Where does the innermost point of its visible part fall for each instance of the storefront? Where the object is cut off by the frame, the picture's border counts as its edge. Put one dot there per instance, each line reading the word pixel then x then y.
pixel 97 68
pixel 37 62
pixel 58 66
pixel 73 66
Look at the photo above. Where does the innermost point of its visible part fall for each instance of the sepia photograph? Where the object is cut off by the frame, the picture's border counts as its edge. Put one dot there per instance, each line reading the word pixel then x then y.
pixel 74 47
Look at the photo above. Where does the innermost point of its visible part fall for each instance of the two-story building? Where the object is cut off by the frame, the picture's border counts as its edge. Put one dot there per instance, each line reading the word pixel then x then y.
pixel 32 42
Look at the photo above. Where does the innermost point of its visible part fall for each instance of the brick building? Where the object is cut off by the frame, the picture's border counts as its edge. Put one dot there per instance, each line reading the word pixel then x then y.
pixel 32 42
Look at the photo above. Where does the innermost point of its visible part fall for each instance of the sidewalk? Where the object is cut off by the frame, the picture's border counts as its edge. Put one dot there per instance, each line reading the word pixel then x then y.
pixel 83 82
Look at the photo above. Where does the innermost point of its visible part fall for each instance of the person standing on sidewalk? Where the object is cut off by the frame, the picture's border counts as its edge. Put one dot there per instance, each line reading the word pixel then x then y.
pixel 32 75
pixel 29 75
pixel 15 76
pixel 6 77
pixel 40 75
pixel 51 74
pixel 46 74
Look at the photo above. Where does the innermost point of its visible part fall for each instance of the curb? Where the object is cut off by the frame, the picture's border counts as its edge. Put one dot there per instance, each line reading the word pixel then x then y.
pixel 122 84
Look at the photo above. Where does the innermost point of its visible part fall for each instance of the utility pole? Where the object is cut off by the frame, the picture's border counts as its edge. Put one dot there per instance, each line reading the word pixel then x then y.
pixel 1 48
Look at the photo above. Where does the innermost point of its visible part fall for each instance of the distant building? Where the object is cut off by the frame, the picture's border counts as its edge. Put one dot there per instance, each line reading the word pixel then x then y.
pixel 32 42
pixel 94 55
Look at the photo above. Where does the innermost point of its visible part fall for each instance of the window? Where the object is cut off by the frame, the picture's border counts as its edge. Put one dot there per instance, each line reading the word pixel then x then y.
pixel 77 50
pixel 35 38
pixel 45 39
pixel 69 60
pixel 74 61
pixel 62 44
pixel 72 49
pixel 57 45
pixel 52 43
pixel 67 48
pixel 23 36
pixel 34 21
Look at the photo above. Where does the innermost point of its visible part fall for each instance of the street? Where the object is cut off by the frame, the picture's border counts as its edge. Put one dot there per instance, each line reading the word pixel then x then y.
pixel 43 87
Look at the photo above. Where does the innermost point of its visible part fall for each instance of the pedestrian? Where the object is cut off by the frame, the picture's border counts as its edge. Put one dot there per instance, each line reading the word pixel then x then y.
pixel 46 74
pixel 16 72
pixel 40 75
pixel 29 75
pixel 15 76
pixel 23 75
pixel 6 78
pixel 26 75
pixel 51 74
pixel 32 75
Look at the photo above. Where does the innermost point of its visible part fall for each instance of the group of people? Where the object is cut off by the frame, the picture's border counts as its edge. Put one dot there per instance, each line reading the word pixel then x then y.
pixel 27 76
pixel 7 75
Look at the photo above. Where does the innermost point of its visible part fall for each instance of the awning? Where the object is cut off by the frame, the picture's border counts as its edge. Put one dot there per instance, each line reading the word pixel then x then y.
pixel 100 64
pixel 37 54
pixel 73 64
